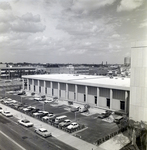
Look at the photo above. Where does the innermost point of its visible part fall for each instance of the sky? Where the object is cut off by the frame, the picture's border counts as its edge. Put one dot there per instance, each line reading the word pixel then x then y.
pixel 70 31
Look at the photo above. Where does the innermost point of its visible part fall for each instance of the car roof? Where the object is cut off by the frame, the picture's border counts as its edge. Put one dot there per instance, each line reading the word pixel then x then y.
pixel 66 120
pixel 74 123
pixel 42 129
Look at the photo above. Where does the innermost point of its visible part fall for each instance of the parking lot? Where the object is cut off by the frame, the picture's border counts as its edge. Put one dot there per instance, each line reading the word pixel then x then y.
pixel 91 127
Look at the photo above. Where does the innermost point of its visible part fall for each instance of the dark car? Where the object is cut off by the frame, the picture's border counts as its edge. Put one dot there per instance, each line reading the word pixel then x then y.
pixel 118 119
pixel 22 93
pixel 74 108
pixel 35 110
pixel 105 114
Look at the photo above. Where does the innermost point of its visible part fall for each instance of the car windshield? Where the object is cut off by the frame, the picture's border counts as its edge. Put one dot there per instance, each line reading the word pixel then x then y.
pixel 6 112
pixel 25 121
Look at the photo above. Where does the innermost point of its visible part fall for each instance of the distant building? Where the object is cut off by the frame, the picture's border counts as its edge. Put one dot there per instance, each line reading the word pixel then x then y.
pixel 127 61
pixel 15 72
pixel 70 69
pixel 98 71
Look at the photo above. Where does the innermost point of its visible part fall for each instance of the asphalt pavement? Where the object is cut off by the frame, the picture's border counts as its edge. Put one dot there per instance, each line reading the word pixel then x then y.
pixel 57 133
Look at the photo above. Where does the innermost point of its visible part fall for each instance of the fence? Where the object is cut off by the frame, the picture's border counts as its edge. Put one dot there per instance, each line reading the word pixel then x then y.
pixel 107 137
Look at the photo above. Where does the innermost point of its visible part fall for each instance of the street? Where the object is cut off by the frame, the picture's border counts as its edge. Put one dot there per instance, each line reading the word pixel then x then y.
pixel 17 137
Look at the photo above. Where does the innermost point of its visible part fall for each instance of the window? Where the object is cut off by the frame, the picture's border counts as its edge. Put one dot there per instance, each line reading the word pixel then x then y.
pixel 84 97
pixel 34 88
pixel 95 100
pixel 74 95
pixel 108 102
pixel 39 89
pixel 29 87
pixel 52 92
pixel 122 105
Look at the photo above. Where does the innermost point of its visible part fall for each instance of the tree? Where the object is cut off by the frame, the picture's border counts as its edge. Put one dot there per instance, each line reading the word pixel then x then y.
pixel 135 129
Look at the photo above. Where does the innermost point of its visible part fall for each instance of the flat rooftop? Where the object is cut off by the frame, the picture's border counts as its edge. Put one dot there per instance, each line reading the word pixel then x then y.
pixel 89 80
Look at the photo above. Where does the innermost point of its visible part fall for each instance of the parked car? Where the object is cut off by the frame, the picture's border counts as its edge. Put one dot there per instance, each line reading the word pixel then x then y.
pixel 83 109
pixel 60 119
pixel 65 123
pixel 21 93
pixel 105 114
pixel 40 113
pixel 17 105
pixel 118 119
pixel 38 99
pixel 28 109
pixel 25 123
pixel 73 125
pixel 7 113
pixel 74 108
pixel 35 110
pixel 48 117
pixel 43 132
pixel 48 101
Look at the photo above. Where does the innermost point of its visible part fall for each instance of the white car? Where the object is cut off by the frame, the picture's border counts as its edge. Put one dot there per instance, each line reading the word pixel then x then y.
pixel 48 117
pixel 40 113
pixel 73 125
pixel 48 101
pixel 38 99
pixel 25 123
pixel 43 132
pixel 7 113
pixel 65 123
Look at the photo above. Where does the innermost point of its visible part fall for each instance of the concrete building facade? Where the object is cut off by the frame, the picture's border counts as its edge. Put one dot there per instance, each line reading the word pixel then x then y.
pixel 138 84
pixel 98 91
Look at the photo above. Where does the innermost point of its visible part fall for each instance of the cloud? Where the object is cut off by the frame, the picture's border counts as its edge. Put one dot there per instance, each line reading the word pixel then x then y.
pixel 4 27
pixel 143 24
pixel 90 5
pixel 128 5
pixel 24 26
pixel 115 36
pixel 30 17
pixel 5 5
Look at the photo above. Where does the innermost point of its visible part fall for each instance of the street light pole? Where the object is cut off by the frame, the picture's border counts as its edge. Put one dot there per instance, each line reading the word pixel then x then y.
pixel 75 117
pixel 43 106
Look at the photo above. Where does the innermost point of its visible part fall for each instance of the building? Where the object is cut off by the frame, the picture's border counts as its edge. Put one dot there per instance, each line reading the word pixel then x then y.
pixel 70 69
pixel 127 61
pixel 98 91
pixel 15 72
pixel 138 83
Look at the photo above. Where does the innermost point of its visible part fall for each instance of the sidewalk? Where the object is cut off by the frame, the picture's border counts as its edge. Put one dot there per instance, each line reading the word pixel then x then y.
pixel 57 133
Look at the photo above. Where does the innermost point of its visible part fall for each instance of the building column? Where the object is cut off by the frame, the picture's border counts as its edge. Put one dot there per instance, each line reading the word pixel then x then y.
pixel 66 91
pixel 28 84
pixel 22 84
pixel 76 92
pixel 126 101
pixel 51 85
pixel 58 90
pixel 111 99
pixel 86 93
pixel 33 85
pixel 38 86
pixel 98 95
pixel 44 87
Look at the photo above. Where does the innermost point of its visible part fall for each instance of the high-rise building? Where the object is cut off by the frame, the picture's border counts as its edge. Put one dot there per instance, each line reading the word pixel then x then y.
pixel 138 83
pixel 127 61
